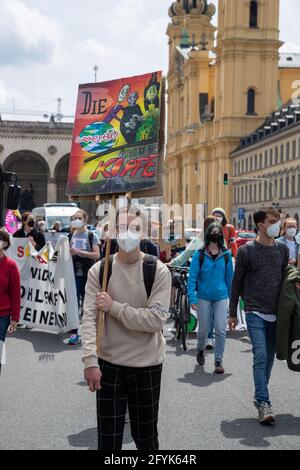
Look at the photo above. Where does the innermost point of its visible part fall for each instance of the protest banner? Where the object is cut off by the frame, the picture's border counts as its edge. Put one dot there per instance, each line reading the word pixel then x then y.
pixel 48 291
pixel 115 147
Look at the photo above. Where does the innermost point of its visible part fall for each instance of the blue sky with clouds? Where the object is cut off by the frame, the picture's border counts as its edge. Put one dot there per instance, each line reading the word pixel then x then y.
pixel 48 47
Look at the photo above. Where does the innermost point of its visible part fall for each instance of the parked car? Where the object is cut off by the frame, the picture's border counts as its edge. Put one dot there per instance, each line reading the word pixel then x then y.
pixel 244 236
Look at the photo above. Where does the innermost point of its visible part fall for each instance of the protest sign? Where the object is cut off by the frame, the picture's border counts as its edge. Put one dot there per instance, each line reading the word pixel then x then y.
pixel 48 291
pixel 115 147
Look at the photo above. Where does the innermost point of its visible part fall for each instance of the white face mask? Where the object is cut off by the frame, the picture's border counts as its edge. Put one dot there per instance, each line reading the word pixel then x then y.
pixel 78 223
pixel 219 219
pixel 43 228
pixel 273 231
pixel 129 241
pixel 291 232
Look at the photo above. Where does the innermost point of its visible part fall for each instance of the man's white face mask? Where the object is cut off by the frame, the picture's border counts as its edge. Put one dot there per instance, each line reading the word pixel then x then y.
pixel 128 241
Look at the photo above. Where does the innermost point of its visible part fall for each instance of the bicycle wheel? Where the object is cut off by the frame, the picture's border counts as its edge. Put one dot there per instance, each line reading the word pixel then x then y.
pixel 184 306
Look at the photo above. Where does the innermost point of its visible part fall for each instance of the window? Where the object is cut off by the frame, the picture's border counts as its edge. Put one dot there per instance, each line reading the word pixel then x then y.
pixel 293 186
pixel 281 188
pixel 243 166
pixel 298 185
pixel 242 195
pixel 259 192
pixel 294 149
pixel 266 159
pixel 288 151
pixel 260 161
pixel 281 153
pixel 247 166
pixel 239 167
pixel 276 187
pixel 287 187
pixel 266 191
pixel 255 160
pixel 253 14
pixel 276 155
pixel 271 157
pixel 239 200
pixel 251 164
pixel 251 101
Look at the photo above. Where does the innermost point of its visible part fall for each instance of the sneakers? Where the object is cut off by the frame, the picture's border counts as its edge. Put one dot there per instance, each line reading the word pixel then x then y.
pixel 265 413
pixel 210 344
pixel 200 358
pixel 218 368
pixel 73 340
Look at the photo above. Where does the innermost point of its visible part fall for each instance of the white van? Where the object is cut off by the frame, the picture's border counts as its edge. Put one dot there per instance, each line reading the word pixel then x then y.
pixel 52 213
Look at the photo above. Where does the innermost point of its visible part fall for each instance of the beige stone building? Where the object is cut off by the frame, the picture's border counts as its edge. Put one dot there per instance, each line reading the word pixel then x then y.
pixel 266 167
pixel 222 84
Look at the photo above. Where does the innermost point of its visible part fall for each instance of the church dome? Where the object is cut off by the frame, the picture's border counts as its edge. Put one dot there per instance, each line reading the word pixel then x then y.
pixel 200 7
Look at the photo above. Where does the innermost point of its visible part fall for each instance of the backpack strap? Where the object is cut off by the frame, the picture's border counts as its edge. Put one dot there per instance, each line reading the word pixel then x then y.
pixel 70 235
pixel 91 239
pixel 101 272
pixel 149 271
pixel 201 258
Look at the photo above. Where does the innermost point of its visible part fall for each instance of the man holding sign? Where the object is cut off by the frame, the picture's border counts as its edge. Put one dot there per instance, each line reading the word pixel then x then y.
pixel 127 370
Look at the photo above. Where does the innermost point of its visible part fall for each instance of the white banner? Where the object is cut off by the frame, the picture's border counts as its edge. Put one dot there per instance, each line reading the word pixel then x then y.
pixel 48 290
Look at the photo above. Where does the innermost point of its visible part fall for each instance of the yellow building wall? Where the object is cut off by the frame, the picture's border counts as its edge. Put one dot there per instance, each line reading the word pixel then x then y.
pixel 288 77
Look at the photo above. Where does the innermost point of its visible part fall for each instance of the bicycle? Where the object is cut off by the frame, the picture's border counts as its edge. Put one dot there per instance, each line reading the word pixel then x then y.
pixel 181 310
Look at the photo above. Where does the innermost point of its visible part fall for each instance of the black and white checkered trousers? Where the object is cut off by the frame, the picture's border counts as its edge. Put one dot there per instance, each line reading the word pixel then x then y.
pixel 137 388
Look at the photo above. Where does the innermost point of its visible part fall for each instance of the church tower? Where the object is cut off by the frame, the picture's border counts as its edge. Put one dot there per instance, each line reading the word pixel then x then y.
pixel 247 72
pixel 220 89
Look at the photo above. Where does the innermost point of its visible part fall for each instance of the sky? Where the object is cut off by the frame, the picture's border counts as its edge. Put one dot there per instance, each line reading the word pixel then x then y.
pixel 49 47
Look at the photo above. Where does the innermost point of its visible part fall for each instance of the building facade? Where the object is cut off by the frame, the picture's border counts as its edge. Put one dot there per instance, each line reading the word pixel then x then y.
pixel 266 168
pixel 222 84
pixel 39 154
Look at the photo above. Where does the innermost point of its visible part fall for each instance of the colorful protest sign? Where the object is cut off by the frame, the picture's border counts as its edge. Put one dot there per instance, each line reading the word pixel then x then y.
pixel 12 221
pixel 115 147
pixel 48 291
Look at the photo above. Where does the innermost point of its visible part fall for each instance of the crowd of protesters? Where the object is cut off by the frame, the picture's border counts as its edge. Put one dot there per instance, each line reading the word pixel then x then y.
pixel 124 363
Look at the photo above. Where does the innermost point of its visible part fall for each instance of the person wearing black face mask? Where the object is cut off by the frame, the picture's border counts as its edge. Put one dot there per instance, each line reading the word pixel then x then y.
pixel 209 287
pixel 28 230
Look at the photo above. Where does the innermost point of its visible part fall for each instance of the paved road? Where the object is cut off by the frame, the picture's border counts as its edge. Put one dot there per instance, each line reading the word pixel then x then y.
pixel 44 403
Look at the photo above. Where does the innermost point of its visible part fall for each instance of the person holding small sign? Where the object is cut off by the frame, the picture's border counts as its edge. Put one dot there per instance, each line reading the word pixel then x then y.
pixel 126 368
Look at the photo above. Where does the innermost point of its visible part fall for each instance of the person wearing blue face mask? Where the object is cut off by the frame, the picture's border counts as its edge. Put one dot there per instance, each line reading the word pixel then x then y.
pixel 259 274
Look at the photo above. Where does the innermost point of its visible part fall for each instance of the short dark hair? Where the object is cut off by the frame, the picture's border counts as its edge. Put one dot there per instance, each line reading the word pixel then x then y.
pixel 5 238
pixel 25 216
pixel 260 215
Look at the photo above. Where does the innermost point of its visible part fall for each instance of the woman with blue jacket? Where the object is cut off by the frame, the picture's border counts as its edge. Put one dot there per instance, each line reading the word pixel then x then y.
pixel 209 286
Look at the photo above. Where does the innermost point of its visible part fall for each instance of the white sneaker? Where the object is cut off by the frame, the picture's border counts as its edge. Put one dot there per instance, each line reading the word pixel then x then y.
pixel 265 414
pixel 210 344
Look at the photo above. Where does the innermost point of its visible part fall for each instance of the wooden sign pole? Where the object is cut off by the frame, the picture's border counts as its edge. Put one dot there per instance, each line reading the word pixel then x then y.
pixel 101 315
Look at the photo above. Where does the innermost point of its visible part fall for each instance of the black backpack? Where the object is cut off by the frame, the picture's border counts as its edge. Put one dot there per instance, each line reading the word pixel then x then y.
pixel 149 270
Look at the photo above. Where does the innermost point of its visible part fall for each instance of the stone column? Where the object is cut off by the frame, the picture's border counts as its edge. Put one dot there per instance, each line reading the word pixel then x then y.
pixel 52 190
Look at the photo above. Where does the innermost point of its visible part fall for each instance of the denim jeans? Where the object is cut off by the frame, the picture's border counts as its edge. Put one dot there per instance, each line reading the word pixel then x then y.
pixel 217 311
pixel 263 338
pixel 4 324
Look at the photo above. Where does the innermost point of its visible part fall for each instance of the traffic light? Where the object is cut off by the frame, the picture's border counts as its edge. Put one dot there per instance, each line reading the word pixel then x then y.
pixel 226 179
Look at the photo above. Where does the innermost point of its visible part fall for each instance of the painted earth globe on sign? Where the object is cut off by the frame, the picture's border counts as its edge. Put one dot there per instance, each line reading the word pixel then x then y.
pixel 98 137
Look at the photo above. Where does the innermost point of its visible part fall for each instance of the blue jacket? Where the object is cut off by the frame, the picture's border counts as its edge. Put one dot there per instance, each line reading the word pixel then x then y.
pixel 214 281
